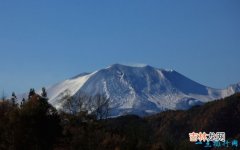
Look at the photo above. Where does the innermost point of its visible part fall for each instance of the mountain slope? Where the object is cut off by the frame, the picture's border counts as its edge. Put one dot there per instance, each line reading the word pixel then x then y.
pixel 138 90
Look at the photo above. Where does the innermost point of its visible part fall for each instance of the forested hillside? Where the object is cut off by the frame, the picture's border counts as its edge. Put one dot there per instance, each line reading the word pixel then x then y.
pixel 37 125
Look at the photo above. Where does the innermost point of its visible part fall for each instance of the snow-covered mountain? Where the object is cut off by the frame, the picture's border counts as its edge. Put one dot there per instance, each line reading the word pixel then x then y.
pixel 139 90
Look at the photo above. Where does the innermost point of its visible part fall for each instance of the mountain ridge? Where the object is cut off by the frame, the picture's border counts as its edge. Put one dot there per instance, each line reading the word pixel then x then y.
pixel 138 90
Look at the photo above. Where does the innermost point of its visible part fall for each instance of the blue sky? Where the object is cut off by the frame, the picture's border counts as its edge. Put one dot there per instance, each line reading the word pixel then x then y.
pixel 43 42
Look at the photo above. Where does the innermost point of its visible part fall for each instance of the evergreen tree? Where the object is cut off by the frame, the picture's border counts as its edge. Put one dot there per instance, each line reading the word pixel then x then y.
pixel 14 98
pixel 31 93
pixel 23 102
pixel 44 93
pixel 36 126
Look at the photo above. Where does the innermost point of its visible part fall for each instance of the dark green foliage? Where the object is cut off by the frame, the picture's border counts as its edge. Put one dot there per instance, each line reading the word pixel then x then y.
pixel 35 126
pixel 14 98
pixel 31 93
pixel 6 136
pixel 44 93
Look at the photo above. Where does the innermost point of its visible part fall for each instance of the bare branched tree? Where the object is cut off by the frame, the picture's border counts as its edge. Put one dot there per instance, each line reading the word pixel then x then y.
pixel 83 104
pixel 74 104
pixel 81 101
pixel 100 106
pixel 68 100
pixel 3 97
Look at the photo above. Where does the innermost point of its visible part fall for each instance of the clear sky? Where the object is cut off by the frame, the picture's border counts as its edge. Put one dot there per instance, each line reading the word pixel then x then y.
pixel 46 41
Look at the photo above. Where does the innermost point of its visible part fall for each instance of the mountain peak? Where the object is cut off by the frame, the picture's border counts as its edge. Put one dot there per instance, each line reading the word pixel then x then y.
pixel 137 89
pixel 129 65
pixel 117 65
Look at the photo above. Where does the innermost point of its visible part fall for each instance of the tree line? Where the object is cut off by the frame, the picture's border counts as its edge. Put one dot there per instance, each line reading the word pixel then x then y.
pixel 37 125
pixel 33 123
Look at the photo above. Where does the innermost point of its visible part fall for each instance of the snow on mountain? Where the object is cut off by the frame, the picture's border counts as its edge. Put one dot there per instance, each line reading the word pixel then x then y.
pixel 72 86
pixel 139 90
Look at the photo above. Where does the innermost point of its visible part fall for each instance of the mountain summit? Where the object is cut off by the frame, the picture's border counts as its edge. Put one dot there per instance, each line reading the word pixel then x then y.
pixel 138 90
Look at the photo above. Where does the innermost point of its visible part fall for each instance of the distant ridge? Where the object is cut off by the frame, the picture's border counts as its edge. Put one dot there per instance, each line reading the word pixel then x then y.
pixel 140 90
